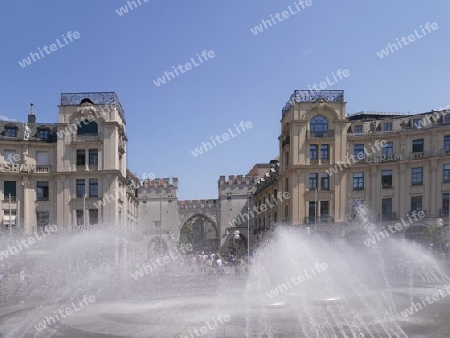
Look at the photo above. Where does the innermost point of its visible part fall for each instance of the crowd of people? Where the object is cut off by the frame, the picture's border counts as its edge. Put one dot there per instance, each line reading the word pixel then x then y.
pixel 209 263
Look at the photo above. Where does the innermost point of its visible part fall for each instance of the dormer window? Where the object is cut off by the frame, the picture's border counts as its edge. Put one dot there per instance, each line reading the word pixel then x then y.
pixel 447 118
pixel 43 133
pixel 387 126
pixel 358 129
pixel 10 131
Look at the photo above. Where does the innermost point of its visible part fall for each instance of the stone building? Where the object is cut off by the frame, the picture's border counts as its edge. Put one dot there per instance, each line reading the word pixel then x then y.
pixel 341 169
pixel 71 173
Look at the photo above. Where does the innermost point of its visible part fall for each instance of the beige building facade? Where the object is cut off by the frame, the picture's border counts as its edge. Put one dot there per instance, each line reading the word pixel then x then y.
pixel 71 173
pixel 359 168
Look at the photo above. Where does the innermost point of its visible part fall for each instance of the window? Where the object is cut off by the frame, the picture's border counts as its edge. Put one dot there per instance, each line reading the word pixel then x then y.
pixel 447 118
pixel 447 141
pixel 358 181
pixel 446 175
pixel 416 203
pixel 286 212
pixel 324 152
pixel 324 208
pixel 9 187
pixel 312 208
pixel 93 216
pixel 324 181
pixel 386 179
pixel 275 219
pixel 286 159
pixel 43 134
pixel 81 188
pixel 386 210
pixel 445 202
pixel 42 190
pixel 286 185
pixel 318 124
pixel 93 156
pixel 357 149
pixel 387 126
pixel 358 129
pixel 417 123
pixel 11 131
pixel 93 187
pixel 313 181
pixel 42 219
pixel 388 149
pixel 417 146
pixel 10 156
pixel 81 157
pixel 313 152
pixel 87 128
pixel 42 157
pixel 416 176
pixel 80 217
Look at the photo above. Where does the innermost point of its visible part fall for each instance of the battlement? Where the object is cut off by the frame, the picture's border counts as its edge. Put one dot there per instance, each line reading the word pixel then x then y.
pixel 161 183
pixel 239 180
pixel 198 204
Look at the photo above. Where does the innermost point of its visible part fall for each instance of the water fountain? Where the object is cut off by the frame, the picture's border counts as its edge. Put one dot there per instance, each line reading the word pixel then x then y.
pixel 299 285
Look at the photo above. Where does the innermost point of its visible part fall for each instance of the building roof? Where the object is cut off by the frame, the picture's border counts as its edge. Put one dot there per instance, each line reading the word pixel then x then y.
pixel 364 115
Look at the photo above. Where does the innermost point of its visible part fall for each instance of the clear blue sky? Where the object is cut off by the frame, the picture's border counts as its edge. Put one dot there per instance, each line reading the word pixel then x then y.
pixel 250 78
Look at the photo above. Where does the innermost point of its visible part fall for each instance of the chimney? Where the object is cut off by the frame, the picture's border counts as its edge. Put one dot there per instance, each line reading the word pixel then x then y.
pixel 31 116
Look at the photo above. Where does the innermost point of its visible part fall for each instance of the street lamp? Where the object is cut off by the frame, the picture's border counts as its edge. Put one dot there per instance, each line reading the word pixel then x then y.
pixel 248 229
pixel 236 236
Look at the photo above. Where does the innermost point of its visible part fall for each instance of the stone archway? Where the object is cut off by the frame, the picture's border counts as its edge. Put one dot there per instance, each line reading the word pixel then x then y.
pixel 201 232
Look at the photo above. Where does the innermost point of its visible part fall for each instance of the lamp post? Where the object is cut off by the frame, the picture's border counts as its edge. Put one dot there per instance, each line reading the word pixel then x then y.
pixel 248 229
pixel 160 224
pixel 236 236
pixel 10 219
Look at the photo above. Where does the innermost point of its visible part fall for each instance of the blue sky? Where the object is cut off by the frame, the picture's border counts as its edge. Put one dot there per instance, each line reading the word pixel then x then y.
pixel 249 79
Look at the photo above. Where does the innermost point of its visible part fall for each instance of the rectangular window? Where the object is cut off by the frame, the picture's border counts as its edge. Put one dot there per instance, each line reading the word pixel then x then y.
pixel 10 156
pixel 10 132
pixel 324 181
pixel 388 149
pixel 275 219
pixel 358 181
pixel 447 118
pixel 446 175
pixel 386 210
pixel 80 217
pixel 81 157
pixel 9 187
pixel 42 158
pixel 416 203
pixel 358 148
pixel 324 208
pixel 42 190
pixel 445 202
pixel 93 156
pixel 42 219
pixel 386 179
pixel 93 187
pixel 324 152
pixel 416 176
pixel 358 129
pixel 417 123
pixel 81 188
pixel 312 209
pixel 447 142
pixel 313 152
pixel 93 216
pixel 43 134
pixel 313 181
pixel 417 146
pixel 387 126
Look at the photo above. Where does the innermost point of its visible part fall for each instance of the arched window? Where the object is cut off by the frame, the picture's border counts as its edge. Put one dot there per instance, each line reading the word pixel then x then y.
pixel 87 128
pixel 318 124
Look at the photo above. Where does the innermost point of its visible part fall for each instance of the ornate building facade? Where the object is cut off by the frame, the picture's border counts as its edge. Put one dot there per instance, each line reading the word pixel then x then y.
pixel 71 173
pixel 344 169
